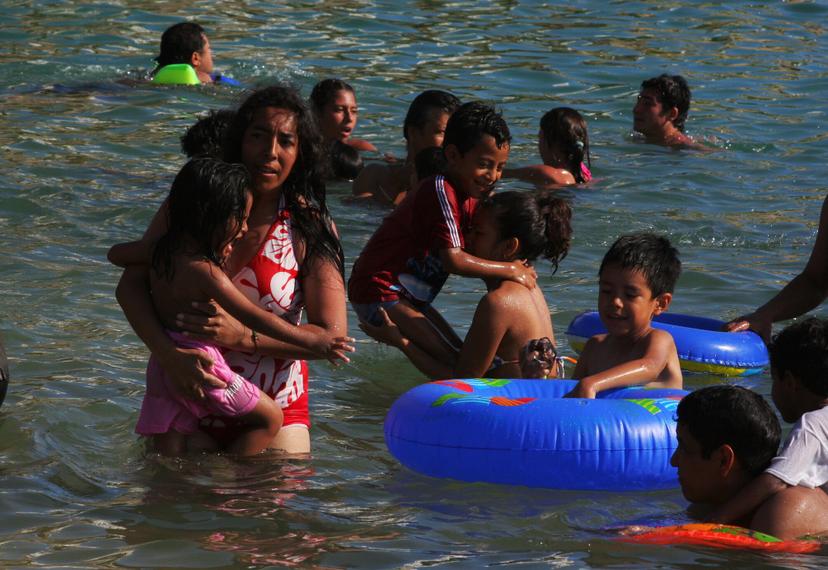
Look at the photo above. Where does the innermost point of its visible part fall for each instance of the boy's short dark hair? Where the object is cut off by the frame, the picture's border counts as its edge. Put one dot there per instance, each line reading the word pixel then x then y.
pixel 178 42
pixel 429 162
pixel 802 350
pixel 673 91
pixel 421 106
pixel 650 254
pixel 736 416
pixel 206 136
pixel 471 122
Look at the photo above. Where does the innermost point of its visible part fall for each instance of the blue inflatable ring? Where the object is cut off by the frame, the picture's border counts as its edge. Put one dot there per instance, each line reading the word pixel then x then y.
pixel 523 432
pixel 701 344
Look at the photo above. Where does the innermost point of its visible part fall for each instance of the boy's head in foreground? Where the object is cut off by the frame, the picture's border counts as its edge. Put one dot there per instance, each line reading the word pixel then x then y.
pixel 661 100
pixel 799 367
pixel 186 42
pixel 727 435
pixel 636 282
pixel 476 146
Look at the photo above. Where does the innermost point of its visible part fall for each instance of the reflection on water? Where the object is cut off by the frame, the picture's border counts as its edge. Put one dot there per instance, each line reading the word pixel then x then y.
pixel 86 159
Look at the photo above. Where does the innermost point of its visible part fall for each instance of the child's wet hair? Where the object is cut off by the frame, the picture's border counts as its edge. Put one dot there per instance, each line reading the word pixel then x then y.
pixel 325 91
pixel 673 91
pixel 207 136
pixel 471 122
pixel 178 42
pixel 802 350
pixel 430 162
pixel 567 129
pixel 541 222
pixel 346 162
pixel 736 416
pixel 207 200
pixel 652 255
pixel 423 104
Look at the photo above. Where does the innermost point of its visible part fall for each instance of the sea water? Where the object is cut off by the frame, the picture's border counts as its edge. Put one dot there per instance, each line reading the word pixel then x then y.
pixel 86 161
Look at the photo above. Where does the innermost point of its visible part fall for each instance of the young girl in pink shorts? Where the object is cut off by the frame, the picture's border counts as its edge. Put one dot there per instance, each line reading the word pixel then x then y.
pixel 208 208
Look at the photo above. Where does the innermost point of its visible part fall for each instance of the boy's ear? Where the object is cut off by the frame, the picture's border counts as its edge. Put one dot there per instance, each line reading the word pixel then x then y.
pixel 195 59
pixel 662 303
pixel 672 114
pixel 511 247
pixel 726 458
pixel 452 153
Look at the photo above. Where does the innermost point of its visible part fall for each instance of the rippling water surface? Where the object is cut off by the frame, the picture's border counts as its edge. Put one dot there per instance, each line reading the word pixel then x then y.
pixel 86 161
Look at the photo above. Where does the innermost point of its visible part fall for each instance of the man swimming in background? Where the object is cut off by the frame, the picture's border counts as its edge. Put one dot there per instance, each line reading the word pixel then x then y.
pixel 661 110
pixel 186 42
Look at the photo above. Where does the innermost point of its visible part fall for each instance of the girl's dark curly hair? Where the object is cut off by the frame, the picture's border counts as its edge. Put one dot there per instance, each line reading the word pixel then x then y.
pixel 304 188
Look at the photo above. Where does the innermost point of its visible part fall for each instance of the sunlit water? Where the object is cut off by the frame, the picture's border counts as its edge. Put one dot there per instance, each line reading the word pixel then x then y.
pixel 86 161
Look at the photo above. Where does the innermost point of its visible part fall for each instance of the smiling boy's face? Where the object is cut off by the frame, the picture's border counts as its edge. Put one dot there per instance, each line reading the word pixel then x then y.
pixel 476 172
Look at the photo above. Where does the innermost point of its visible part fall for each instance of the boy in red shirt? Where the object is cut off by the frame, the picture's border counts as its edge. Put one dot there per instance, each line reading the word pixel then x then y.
pixel 408 259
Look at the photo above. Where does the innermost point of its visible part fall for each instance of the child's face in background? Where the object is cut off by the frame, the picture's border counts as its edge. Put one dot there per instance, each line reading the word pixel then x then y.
pixel 625 301
pixel 430 134
pixel 483 239
pixel 339 117
pixel 205 64
pixel 476 172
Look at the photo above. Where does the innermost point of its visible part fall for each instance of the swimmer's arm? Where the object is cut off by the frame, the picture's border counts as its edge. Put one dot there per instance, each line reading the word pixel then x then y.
pixel 631 373
pixel 582 366
pixel 458 262
pixel 361 145
pixel 541 175
pixel 486 332
pixel 216 285
pixel 189 368
pixel 140 252
pixel 803 293
pixel 748 499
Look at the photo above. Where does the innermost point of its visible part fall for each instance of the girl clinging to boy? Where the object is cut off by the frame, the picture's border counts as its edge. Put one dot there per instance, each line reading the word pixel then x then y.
pixel 563 143
pixel 208 206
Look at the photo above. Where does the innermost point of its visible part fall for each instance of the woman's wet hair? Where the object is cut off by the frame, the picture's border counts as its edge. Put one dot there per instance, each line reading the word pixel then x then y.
pixel 565 128
pixel 207 200
pixel 325 91
pixel 346 162
pixel 304 188
pixel 541 222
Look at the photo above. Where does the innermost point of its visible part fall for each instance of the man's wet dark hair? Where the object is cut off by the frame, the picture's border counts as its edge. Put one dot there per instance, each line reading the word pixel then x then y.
pixel 736 416
pixel 422 105
pixel 178 43
pixel 673 91
pixel 471 122
pixel 429 162
pixel 650 254
pixel 802 350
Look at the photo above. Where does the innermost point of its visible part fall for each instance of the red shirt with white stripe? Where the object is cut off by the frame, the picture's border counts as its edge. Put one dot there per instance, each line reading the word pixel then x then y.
pixel 402 258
